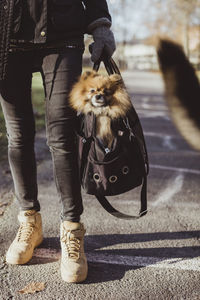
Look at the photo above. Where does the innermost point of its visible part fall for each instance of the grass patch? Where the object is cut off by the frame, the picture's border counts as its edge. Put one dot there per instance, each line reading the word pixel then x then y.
pixel 39 112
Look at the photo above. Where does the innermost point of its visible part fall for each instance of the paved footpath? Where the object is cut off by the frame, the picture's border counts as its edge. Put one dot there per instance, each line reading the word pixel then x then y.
pixel 156 257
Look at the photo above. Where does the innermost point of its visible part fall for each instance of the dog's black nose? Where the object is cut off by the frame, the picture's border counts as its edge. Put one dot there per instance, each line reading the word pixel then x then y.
pixel 98 96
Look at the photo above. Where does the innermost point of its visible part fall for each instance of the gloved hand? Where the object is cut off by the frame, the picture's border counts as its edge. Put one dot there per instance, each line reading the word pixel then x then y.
pixel 103 40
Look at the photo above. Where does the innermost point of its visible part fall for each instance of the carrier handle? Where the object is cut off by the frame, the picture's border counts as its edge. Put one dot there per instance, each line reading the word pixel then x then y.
pixel 109 64
pixel 114 212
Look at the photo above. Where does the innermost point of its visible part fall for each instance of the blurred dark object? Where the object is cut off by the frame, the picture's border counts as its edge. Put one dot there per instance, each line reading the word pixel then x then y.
pixel 182 90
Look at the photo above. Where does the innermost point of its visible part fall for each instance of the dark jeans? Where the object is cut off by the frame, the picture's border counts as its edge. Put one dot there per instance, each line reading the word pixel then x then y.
pixel 59 69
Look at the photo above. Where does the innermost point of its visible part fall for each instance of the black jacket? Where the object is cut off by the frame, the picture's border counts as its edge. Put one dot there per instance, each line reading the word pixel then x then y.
pixel 46 21
pixel 42 21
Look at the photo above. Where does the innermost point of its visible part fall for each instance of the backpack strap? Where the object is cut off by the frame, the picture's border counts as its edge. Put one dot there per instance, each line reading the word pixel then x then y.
pixel 111 210
pixel 109 64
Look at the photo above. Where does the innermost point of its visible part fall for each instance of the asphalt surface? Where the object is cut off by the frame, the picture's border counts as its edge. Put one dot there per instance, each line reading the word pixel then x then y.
pixel 156 257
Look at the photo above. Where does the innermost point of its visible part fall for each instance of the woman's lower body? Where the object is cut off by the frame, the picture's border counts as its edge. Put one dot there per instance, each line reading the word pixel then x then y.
pixel 60 69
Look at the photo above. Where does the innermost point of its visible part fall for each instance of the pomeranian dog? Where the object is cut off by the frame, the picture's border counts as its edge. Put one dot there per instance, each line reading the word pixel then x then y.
pixel 106 97
pixel 182 90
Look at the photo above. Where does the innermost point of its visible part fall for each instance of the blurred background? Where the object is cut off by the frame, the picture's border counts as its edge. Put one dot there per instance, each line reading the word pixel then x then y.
pixel 138 23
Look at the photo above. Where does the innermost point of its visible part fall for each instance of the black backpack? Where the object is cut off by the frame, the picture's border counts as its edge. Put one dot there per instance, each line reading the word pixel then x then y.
pixel 109 172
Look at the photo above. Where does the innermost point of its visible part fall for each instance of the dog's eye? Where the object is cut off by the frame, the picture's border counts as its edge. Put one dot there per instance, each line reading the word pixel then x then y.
pixel 92 90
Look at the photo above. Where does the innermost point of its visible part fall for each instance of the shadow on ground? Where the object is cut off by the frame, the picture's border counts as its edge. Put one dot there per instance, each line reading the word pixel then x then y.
pixel 49 251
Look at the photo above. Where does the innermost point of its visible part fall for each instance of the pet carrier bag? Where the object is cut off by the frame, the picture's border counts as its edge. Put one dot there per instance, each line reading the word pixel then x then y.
pixel 109 172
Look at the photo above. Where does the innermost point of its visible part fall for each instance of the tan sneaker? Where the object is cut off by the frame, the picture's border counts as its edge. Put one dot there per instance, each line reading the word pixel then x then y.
pixel 28 237
pixel 74 266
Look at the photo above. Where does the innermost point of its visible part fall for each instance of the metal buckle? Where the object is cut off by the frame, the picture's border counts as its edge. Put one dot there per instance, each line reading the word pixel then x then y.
pixel 107 150
pixel 84 140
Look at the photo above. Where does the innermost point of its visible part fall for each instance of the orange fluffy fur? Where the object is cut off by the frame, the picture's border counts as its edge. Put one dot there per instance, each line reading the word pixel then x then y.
pixel 112 90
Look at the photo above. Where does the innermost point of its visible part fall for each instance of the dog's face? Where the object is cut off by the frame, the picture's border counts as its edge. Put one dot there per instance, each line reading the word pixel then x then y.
pixel 100 94
pixel 99 90
pixel 99 97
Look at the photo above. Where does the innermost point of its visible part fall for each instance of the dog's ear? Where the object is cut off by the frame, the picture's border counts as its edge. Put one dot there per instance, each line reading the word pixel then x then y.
pixel 116 79
pixel 87 74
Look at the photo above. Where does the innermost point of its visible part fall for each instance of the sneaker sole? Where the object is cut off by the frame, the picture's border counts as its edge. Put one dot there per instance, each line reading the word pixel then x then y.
pixel 73 279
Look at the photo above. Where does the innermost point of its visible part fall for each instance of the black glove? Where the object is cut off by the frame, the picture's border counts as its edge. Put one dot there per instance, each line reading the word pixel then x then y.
pixel 103 41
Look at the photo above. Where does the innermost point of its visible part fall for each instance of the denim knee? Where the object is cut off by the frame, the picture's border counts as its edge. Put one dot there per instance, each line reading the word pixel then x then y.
pixel 62 143
pixel 20 140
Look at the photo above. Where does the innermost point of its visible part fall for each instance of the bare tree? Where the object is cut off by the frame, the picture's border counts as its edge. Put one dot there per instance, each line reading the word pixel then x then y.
pixel 124 14
pixel 182 11
pixel 172 18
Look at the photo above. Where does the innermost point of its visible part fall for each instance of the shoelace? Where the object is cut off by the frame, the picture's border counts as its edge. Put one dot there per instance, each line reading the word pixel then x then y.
pixel 25 232
pixel 72 246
